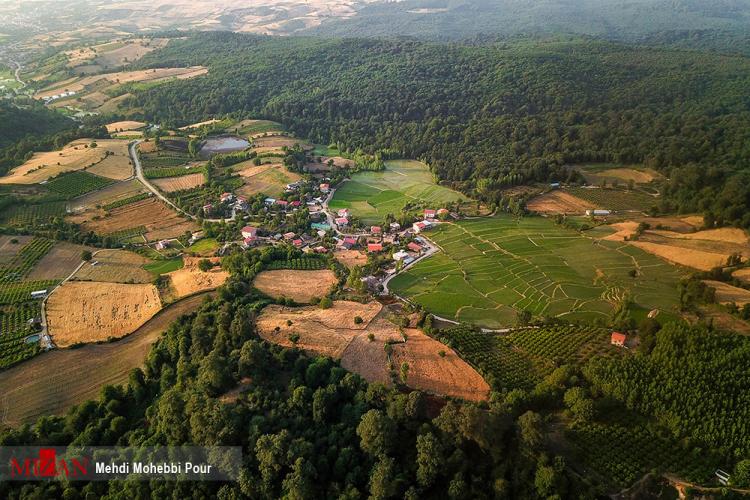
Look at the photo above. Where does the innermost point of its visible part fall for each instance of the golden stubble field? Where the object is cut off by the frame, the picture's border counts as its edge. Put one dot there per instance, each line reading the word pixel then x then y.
pixel 82 312
pixel 180 183
pixel 300 286
pixel 190 279
pixel 361 346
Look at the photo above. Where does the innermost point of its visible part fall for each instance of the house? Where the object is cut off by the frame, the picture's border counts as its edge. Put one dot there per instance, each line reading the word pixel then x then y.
pixel 39 294
pixel 240 203
pixel 554 185
pixel 226 197
pixel 414 247
pixel 374 247
pixel 401 255
pixel 348 242
pixel 249 241
pixel 598 212
pixel 344 212
pixel 289 236
pixel 394 226
pixel 420 226
pixel 207 209
pixel 278 236
pixel 325 188
pixel 249 232
pixel 321 234
pixel 442 211
pixel 198 235
pixel 376 230
pixel 429 213
pixel 297 243
pixel 618 339
pixel 282 203
pixel 163 244
pixel 320 249
pixel 341 221
pixel 296 203
pixel 269 201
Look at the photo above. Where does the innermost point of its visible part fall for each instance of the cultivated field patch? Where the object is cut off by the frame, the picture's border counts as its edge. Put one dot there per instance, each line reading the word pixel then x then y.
pixel 190 279
pixel 124 126
pixel 371 196
pixel 10 245
pixel 619 200
pixel 491 268
pixel 300 286
pixel 269 178
pixel 115 266
pixel 180 183
pixel 351 258
pixel 80 312
pixel 110 194
pixel 728 294
pixel 558 202
pixel 59 262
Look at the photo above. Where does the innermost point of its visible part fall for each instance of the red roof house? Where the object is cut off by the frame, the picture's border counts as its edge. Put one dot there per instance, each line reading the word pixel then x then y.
pixel 374 247
pixel 249 232
pixel 429 213
pixel 414 247
pixel 376 230
pixel 297 242
pixel 618 339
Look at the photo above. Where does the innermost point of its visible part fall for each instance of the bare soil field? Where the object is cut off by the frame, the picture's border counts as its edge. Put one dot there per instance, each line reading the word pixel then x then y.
pixel 727 294
pixel 558 202
pixel 172 184
pixel 361 347
pixel 52 382
pixel 273 142
pixel 92 312
pixel 9 250
pixel 160 220
pixel 350 258
pixel 148 146
pixel 697 259
pixel 124 126
pixel 300 286
pixel 190 279
pixel 623 230
pixel 269 178
pixel 80 84
pixel 109 194
pixel 431 372
pixel 115 266
pixel 622 174
pixel 59 262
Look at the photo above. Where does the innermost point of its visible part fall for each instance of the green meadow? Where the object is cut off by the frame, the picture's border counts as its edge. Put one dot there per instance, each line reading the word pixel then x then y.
pixel 490 268
pixel 371 196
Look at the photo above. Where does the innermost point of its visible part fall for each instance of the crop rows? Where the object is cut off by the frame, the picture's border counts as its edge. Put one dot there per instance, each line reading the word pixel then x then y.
pixel 27 257
pixel 615 199
pixel 14 329
pixel 501 365
pixel 126 234
pixel 164 160
pixel 77 183
pixel 27 214
pixel 160 173
pixel 627 453
pixel 15 293
pixel 126 201
pixel 558 343
pixel 303 264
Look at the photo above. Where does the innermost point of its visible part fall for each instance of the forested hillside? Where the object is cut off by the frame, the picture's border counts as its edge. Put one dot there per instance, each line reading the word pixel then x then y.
pixel 21 120
pixel 487 117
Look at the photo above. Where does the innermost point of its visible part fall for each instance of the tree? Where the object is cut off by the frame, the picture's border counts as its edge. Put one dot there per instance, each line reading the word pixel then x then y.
pixel 205 265
pixel 530 429
pixel 741 476
pixel 376 432
pixel 325 303
pixel 429 459
pixel 86 255
pixel 382 479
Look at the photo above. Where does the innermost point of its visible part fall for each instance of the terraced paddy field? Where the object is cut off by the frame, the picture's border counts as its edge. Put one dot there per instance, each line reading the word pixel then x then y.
pixel 491 268
pixel 371 196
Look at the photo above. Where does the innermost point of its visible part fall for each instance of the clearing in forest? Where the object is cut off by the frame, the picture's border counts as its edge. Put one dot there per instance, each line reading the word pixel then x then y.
pixel 492 268
pixel 81 312
pixel 300 286
pixel 371 196
pixel 432 366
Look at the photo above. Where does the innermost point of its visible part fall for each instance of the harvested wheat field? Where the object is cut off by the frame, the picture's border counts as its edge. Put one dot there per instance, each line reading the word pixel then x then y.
pixel 76 155
pixel 621 174
pixel 8 249
pixel 265 144
pixel 361 347
pixel 724 234
pixel 190 279
pixel 300 286
pixel 59 262
pixel 697 259
pixel 80 312
pixel 109 194
pixel 269 178
pixel 159 220
pixel 742 274
pixel 148 146
pixel 124 126
pixel 623 230
pixel 727 294
pixel 172 184
pixel 558 202
pixel 430 372
pixel 199 124
pixel 115 266
pixel 52 382
pixel 338 161
pixel 694 220
pixel 350 258
pixel 117 164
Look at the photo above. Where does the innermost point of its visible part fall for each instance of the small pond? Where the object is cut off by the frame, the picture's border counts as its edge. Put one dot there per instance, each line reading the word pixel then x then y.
pixel 223 144
pixel 31 339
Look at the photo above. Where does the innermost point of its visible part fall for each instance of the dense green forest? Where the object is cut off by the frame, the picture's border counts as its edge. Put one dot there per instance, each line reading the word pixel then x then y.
pixel 487 117
pixel 26 118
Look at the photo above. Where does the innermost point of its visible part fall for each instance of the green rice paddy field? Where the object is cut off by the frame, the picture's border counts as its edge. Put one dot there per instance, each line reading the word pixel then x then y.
pixel 371 196
pixel 490 268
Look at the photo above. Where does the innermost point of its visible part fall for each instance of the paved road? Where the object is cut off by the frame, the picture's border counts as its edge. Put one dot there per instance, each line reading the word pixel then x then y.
pixel 17 73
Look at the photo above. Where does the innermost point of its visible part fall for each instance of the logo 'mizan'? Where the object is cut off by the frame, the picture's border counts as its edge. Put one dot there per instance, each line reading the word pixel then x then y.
pixel 48 465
